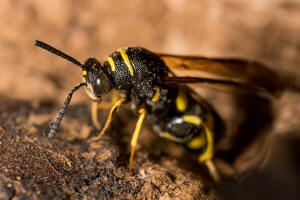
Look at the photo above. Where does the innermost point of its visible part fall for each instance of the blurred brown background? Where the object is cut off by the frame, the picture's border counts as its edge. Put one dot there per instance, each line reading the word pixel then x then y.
pixel 264 30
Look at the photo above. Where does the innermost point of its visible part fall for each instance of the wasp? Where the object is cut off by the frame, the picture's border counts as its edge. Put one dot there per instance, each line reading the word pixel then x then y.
pixel 145 79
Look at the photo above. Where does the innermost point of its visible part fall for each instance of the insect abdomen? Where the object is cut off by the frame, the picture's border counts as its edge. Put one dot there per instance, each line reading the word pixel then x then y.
pixel 179 117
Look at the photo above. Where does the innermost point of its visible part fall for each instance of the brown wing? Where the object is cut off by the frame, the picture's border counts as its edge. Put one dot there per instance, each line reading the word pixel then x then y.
pixel 223 85
pixel 234 70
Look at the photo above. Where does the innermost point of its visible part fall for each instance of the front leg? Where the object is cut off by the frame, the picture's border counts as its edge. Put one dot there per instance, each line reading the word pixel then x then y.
pixel 109 119
pixel 94 111
pixel 115 96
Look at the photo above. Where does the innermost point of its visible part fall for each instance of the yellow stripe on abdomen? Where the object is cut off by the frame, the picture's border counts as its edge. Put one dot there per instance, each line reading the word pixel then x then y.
pixel 193 119
pixel 126 60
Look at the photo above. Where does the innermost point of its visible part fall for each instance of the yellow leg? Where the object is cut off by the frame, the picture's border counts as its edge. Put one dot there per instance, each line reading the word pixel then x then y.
pixel 135 136
pixel 208 154
pixel 109 119
pixel 95 114
pixel 213 170
pixel 209 150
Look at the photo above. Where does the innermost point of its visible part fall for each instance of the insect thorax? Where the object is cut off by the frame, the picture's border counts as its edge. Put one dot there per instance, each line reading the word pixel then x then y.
pixel 134 67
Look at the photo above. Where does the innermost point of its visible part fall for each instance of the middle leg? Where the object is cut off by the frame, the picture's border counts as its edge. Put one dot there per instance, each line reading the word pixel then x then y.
pixel 135 136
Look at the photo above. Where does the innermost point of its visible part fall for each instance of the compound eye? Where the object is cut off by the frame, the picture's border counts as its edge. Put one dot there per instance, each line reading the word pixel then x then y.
pixel 101 84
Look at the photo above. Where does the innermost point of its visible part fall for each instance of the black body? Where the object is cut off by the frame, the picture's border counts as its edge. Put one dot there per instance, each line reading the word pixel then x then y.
pixel 141 87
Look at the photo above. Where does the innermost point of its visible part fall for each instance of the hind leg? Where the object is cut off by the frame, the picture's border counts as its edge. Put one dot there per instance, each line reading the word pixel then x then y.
pixel 208 153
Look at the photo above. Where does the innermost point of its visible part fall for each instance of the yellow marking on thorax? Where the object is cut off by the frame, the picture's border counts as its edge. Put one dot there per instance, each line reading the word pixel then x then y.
pixel 193 119
pixel 168 136
pixel 156 96
pixel 197 142
pixel 111 63
pixel 84 72
pixel 126 60
pixel 181 100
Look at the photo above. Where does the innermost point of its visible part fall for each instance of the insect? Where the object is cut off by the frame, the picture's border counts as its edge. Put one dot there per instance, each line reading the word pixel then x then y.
pixel 145 79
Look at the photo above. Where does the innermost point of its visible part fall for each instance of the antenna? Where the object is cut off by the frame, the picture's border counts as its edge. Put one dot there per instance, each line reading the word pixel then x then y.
pixel 57 52
pixel 55 124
